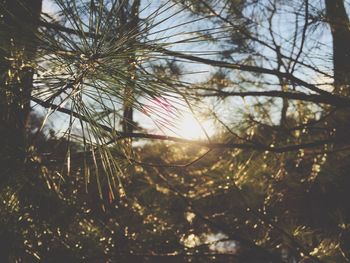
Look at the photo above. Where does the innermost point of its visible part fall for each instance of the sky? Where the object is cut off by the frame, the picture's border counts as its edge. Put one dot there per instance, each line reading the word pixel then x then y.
pixel 187 125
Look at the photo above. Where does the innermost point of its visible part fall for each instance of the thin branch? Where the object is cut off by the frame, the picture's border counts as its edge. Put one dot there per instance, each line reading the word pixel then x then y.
pixel 216 63
pixel 331 100
pixel 303 36
pixel 197 159
pixel 212 145
pixel 247 68
pixel 246 242
pixel 267 220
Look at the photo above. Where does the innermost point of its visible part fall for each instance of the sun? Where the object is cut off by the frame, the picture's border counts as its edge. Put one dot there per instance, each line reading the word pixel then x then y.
pixel 171 118
pixel 192 128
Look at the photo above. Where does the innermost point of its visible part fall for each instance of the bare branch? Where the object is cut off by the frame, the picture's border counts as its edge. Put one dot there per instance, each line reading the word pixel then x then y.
pixel 212 145
pixel 336 101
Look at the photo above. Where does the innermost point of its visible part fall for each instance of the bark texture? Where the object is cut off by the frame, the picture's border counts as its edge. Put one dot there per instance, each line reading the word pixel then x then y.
pixel 18 27
pixel 339 23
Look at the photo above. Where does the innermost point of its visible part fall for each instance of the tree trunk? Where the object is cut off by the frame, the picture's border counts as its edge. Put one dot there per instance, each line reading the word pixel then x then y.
pixel 18 26
pixel 340 27
pixel 128 122
pixel 338 21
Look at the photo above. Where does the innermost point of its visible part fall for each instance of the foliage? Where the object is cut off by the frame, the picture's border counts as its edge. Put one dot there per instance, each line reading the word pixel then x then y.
pixel 270 186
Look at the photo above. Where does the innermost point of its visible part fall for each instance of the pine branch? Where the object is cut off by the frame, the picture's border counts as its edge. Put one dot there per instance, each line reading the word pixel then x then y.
pixel 263 252
pixel 210 145
pixel 211 62
pixel 246 68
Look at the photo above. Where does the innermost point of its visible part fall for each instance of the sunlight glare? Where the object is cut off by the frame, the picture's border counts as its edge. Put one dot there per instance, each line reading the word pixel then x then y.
pixel 172 118
pixel 189 128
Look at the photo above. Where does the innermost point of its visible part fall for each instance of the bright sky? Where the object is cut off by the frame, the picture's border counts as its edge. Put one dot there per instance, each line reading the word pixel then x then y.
pixel 185 124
